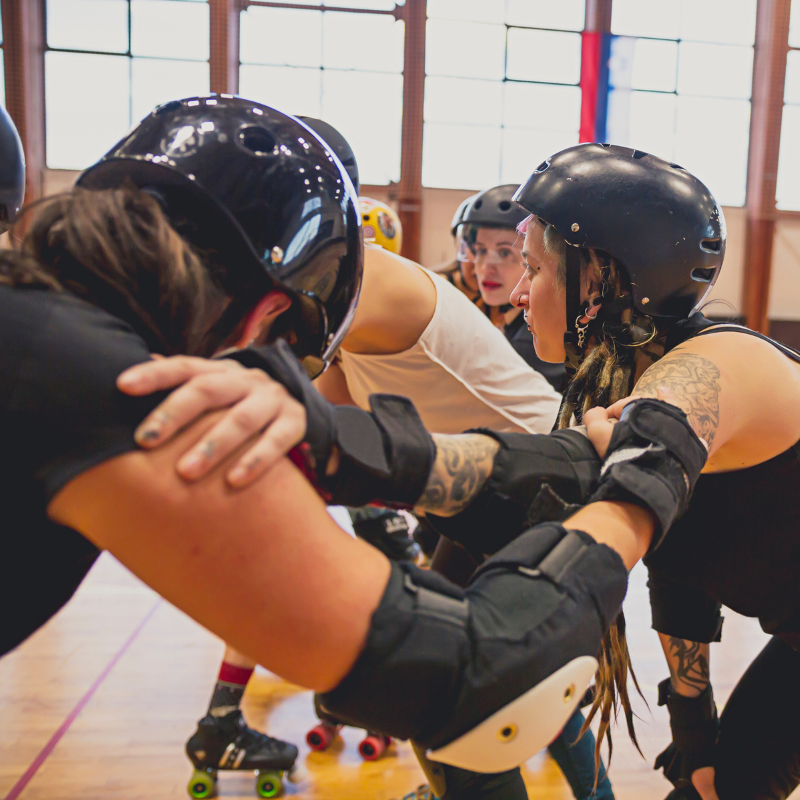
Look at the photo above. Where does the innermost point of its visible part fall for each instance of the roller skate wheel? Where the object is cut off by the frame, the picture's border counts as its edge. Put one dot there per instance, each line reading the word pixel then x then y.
pixel 373 747
pixel 202 785
pixel 319 737
pixel 269 784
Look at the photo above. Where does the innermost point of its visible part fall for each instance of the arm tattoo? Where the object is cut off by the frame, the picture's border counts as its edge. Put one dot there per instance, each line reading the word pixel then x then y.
pixel 688 664
pixel 463 465
pixel 695 382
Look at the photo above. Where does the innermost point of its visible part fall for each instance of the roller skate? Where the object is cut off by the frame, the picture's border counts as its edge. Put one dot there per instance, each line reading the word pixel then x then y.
pixel 226 743
pixel 321 736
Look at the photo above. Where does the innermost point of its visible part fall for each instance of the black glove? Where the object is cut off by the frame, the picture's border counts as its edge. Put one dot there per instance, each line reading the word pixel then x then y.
pixel 695 728
pixel 385 455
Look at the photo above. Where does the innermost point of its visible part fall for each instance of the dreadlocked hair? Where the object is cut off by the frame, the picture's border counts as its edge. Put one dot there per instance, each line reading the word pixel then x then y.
pixel 617 348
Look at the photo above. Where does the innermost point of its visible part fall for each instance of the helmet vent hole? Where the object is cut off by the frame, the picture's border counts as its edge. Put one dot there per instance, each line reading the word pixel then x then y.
pixel 478 204
pixel 257 140
pixel 365 217
pixel 639 154
pixel 605 144
pixel 505 205
pixel 710 245
pixel 542 167
pixel 676 166
pixel 702 275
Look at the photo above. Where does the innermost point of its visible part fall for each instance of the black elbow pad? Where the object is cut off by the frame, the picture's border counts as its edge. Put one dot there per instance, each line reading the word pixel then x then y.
pixel 653 460
pixel 536 478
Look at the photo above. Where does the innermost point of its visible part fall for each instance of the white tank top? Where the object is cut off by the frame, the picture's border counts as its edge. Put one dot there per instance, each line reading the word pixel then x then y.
pixel 462 373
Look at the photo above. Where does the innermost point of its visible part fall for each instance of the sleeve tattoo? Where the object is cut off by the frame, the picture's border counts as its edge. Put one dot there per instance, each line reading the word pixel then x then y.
pixel 463 464
pixel 688 664
pixel 695 382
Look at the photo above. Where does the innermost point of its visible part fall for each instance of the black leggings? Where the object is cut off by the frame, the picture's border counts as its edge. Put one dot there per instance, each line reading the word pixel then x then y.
pixel 758 755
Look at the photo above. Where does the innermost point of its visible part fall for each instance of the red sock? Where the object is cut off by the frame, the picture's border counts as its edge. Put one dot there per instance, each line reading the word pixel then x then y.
pixel 229 689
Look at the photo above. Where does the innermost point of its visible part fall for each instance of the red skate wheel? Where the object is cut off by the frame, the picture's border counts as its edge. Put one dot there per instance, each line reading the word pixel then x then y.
pixel 320 736
pixel 373 746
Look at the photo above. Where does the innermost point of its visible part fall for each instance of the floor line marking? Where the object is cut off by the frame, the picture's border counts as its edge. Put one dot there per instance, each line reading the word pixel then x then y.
pixel 37 762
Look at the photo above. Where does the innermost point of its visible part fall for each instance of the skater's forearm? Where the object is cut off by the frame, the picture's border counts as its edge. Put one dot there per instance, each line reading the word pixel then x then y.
pixel 463 464
pixel 688 664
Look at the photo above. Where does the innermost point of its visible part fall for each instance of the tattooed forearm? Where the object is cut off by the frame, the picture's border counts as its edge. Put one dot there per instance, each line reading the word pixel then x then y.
pixel 695 382
pixel 463 464
pixel 688 664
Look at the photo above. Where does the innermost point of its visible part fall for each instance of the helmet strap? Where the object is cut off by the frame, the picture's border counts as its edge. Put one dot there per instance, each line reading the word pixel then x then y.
pixel 575 337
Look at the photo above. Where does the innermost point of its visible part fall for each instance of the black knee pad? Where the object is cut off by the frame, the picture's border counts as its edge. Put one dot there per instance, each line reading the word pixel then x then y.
pixel 485 677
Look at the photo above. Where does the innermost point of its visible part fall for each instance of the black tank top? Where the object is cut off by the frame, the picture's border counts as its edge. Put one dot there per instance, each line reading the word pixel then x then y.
pixel 738 544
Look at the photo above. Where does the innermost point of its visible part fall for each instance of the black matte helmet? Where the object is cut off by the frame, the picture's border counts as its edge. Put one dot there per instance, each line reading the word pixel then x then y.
pixel 658 221
pixel 338 144
pixel 12 171
pixel 458 217
pixel 273 201
pixel 495 208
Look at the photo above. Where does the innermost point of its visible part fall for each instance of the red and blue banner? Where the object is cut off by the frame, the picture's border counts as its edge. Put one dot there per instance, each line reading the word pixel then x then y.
pixel 595 52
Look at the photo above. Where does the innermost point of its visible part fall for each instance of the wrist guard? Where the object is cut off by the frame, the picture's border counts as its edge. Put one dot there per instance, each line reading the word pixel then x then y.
pixel 385 455
pixel 695 727
pixel 653 460
pixel 535 478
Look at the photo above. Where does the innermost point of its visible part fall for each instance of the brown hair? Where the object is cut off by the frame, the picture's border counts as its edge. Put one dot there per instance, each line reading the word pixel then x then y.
pixel 117 250
pixel 606 374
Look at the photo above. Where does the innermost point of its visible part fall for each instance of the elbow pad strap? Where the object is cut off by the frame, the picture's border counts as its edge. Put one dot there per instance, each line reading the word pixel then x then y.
pixel 653 460
pixel 535 478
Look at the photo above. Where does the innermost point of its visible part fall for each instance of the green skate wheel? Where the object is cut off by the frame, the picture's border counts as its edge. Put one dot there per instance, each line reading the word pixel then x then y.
pixel 269 784
pixel 202 785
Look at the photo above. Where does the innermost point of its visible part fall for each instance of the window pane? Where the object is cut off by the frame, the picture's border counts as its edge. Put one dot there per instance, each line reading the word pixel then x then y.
pixel 523 149
pixel 465 49
pixel 652 124
pixel 567 15
pixel 715 70
pixel 376 5
pixel 169 29
pixel 289 89
pixel 792 88
pixel 646 18
pixel 543 56
pixel 281 36
pixel 79 128
pixel 531 105
pixel 474 10
pixel 655 65
pixel 349 103
pixel 88 25
pixel 794 24
pixel 461 156
pixel 362 41
pixel 719 161
pixel 723 21
pixel 445 101
pixel 788 191
pixel 154 81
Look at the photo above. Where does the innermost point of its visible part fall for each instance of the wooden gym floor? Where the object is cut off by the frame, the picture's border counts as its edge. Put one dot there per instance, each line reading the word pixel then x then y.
pixel 98 704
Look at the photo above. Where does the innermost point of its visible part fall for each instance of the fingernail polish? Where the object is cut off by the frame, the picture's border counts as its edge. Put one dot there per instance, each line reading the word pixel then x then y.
pixel 147 435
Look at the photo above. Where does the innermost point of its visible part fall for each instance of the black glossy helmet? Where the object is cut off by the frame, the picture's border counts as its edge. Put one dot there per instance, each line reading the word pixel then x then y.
pixel 12 171
pixel 659 222
pixel 495 208
pixel 458 217
pixel 338 144
pixel 274 203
